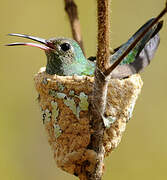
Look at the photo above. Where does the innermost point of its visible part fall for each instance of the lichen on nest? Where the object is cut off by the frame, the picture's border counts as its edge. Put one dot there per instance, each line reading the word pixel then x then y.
pixel 64 101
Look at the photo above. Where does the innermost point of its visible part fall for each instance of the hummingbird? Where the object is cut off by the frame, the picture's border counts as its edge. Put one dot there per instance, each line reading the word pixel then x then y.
pixel 65 57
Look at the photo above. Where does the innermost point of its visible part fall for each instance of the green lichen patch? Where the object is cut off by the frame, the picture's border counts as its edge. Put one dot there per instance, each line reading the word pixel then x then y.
pixel 61 95
pixel 57 130
pixel 71 104
pixel 52 92
pixel 55 110
pixel 56 94
pixel 46 115
pixel 108 121
pixel 71 93
pixel 78 111
pixel 60 86
pixel 83 104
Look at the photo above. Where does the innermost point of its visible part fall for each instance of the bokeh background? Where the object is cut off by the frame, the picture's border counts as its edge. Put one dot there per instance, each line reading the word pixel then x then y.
pixel 24 150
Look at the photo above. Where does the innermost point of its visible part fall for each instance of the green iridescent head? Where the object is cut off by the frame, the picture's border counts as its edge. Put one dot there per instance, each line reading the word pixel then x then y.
pixel 64 56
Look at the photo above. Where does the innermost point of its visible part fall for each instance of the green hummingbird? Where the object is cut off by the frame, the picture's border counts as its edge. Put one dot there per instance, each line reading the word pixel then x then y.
pixel 65 57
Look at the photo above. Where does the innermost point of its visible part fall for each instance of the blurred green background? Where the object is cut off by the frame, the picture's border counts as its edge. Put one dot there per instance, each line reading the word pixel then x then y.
pixel 24 150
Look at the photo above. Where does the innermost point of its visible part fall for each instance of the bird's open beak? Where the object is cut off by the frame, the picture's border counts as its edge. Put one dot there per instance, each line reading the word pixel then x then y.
pixel 46 45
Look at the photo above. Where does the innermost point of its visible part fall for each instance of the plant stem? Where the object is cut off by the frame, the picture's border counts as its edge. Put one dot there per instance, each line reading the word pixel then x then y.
pixel 71 9
pixel 98 102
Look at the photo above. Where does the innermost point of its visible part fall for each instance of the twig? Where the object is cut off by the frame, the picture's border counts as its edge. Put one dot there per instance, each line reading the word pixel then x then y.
pixel 131 46
pixel 71 9
pixel 103 51
pixel 98 102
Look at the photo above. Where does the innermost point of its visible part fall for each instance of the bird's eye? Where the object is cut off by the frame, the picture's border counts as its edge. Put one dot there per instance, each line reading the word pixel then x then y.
pixel 65 46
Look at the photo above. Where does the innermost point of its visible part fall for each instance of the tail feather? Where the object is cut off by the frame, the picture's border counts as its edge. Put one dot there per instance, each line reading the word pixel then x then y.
pixel 142 54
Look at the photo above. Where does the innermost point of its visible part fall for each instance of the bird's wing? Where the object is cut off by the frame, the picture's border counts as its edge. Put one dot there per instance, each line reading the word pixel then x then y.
pixel 141 55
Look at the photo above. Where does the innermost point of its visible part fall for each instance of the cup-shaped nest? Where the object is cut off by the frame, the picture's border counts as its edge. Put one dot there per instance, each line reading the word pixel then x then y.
pixel 64 104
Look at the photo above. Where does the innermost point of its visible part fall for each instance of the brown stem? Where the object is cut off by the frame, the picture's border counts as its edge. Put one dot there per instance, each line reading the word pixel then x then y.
pixel 71 9
pixel 103 51
pixel 98 102
pixel 131 46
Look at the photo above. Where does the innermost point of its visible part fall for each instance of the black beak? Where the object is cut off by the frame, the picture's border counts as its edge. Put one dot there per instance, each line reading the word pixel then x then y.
pixel 45 46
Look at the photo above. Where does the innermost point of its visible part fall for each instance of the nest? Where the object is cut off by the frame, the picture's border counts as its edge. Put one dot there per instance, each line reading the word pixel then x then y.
pixel 64 103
